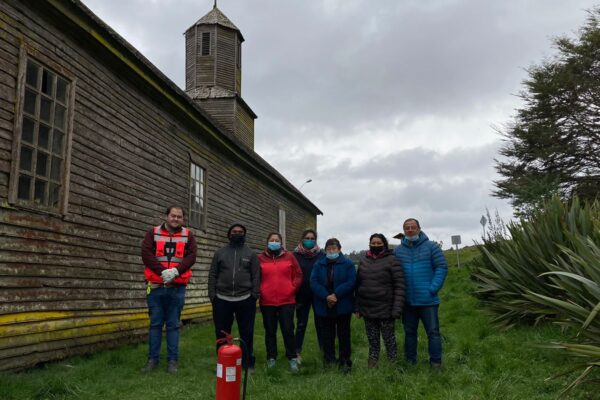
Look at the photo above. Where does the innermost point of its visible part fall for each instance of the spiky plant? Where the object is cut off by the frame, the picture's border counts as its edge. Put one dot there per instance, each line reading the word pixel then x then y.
pixel 513 267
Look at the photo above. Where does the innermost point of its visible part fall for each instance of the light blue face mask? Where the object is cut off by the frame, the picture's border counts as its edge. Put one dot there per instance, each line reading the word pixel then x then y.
pixel 274 246
pixel 332 256
pixel 412 238
pixel 308 243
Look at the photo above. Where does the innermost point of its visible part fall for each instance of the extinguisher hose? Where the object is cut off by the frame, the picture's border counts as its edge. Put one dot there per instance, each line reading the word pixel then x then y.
pixel 246 358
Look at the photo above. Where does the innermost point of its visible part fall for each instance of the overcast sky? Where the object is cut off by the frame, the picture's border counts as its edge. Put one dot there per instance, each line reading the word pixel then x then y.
pixel 389 106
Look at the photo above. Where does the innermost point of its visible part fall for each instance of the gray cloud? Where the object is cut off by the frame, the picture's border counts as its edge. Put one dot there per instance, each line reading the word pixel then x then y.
pixel 388 106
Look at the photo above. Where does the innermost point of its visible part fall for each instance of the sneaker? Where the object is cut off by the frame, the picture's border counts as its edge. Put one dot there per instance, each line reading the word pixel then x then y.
pixel 372 363
pixel 150 365
pixel 271 363
pixel 436 367
pixel 299 358
pixel 172 367
pixel 294 365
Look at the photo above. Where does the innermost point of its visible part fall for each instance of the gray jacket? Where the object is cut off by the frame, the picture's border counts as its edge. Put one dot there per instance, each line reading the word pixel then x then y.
pixel 235 272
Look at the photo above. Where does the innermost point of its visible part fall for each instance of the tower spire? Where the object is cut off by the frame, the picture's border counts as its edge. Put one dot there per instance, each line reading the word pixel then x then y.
pixel 215 5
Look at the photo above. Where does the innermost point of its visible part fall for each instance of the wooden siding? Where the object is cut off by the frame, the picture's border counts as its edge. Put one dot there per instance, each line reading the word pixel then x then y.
pixel 244 126
pixel 204 65
pixel 238 65
pixel 190 58
pixel 221 110
pixel 226 55
pixel 75 284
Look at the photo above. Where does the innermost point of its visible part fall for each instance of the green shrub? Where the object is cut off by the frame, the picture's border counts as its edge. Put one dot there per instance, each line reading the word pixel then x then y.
pixel 513 267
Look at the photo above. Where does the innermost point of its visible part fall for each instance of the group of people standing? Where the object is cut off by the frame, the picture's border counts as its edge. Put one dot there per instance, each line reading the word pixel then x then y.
pixel 387 285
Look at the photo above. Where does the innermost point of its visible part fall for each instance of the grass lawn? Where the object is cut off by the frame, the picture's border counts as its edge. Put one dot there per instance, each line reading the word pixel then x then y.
pixel 479 363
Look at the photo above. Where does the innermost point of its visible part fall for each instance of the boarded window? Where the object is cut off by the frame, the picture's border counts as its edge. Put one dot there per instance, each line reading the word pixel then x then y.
pixel 39 169
pixel 197 196
pixel 205 43
pixel 282 224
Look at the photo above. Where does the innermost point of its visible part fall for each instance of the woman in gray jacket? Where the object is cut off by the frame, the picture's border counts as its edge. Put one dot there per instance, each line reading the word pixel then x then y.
pixel 380 296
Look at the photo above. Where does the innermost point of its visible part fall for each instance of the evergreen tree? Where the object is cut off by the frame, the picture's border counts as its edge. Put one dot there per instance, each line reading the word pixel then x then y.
pixel 553 144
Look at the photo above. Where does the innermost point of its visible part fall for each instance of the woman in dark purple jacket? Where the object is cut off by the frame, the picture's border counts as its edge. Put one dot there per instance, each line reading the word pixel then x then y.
pixel 307 253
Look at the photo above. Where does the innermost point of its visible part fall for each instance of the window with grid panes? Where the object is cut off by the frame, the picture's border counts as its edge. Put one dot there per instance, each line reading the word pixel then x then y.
pixel 197 195
pixel 43 137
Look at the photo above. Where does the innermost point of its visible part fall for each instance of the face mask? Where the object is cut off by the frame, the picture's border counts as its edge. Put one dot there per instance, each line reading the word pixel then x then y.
pixel 274 246
pixel 237 238
pixel 332 256
pixel 376 249
pixel 308 243
pixel 412 238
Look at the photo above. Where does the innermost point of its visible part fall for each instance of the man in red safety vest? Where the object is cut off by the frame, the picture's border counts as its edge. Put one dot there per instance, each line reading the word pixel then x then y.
pixel 168 253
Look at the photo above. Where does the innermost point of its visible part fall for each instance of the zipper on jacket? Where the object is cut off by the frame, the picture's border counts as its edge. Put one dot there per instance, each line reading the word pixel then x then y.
pixel 233 281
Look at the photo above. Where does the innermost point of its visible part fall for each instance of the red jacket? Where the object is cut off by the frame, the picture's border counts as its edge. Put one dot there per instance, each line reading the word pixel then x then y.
pixel 280 278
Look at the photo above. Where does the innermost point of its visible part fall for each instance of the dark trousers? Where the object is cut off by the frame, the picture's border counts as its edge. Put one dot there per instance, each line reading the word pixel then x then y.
pixel 410 319
pixel 330 328
pixel 285 316
pixel 384 328
pixel 302 313
pixel 244 312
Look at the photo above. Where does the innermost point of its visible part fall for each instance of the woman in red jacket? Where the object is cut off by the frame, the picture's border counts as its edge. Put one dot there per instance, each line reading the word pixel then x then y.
pixel 281 277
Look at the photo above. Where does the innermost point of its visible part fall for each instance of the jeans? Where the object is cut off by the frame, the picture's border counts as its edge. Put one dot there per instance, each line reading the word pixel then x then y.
pixel 164 307
pixel 410 320
pixel 285 316
pixel 244 312
pixel 330 328
pixel 302 313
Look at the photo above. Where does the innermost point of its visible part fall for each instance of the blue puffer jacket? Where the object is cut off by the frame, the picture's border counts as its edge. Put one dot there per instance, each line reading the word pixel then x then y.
pixel 344 279
pixel 425 269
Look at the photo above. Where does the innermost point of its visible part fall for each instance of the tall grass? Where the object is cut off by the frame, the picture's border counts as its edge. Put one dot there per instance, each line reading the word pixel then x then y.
pixel 480 362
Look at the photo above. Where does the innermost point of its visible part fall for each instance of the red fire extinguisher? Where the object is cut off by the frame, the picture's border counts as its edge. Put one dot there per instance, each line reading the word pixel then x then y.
pixel 229 369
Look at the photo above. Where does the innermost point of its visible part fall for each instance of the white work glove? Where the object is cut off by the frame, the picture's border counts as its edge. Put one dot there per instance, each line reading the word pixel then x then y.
pixel 169 274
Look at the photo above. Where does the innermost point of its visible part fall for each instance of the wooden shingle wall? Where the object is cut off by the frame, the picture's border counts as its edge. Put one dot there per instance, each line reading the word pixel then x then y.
pixel 74 283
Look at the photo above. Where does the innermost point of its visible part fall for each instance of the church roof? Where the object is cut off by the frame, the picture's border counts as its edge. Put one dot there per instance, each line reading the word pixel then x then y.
pixel 216 17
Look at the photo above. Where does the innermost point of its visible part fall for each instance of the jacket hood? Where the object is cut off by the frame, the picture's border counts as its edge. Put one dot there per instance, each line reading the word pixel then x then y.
pixel 269 254
pixel 422 238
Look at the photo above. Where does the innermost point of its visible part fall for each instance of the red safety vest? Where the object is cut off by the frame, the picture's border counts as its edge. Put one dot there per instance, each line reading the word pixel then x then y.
pixel 161 238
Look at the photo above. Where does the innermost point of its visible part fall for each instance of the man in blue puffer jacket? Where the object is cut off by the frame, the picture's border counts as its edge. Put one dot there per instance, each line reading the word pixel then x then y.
pixel 425 270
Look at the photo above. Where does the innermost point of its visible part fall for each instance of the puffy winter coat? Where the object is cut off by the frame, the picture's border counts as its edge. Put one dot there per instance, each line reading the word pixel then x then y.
pixel 281 278
pixel 344 279
pixel 380 287
pixel 425 270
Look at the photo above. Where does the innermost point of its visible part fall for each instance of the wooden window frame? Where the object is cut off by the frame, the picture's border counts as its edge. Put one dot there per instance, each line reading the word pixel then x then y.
pixel 201 163
pixel 63 200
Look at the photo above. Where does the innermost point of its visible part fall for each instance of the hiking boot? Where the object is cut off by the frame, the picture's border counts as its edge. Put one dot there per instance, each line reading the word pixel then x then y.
pixel 372 363
pixel 172 367
pixel 294 365
pixel 150 365
pixel 271 363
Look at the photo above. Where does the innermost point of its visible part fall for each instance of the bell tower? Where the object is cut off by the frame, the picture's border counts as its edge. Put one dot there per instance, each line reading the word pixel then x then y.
pixel 213 73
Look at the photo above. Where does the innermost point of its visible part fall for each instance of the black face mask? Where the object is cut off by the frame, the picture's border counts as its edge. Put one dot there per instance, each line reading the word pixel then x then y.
pixel 375 250
pixel 237 238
